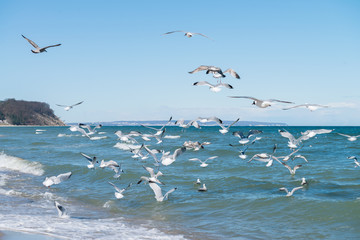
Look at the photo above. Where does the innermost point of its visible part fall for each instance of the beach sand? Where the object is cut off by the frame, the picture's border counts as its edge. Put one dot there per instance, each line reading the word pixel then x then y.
pixel 11 235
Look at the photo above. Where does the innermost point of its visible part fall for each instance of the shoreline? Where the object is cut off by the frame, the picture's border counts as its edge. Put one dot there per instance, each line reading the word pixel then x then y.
pixel 15 235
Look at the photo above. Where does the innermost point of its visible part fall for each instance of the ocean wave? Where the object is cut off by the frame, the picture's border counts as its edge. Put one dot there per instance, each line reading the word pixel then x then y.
pixel 172 136
pixel 20 165
pixel 98 138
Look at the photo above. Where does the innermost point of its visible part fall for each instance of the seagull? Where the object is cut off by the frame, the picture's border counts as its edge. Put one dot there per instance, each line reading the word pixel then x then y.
pixel 109 163
pixel 292 171
pixel 300 156
pixel 203 188
pixel 61 210
pixel 203 163
pixel 92 160
pixel 349 137
pixel 264 157
pixel 261 103
pixel 195 145
pixel 117 169
pixel 245 139
pixel 37 48
pixel 293 142
pixel 158 131
pixel 213 88
pixel 216 71
pixel 224 129
pixel 287 157
pixel 153 177
pixel 311 107
pixel 88 127
pixel 158 194
pixel 168 159
pixel 67 108
pixel 127 137
pixel 187 34
pixel 303 181
pixel 181 123
pixel 56 179
pixel 198 181
pixel 357 164
pixel 242 154
pixel 289 194
pixel 82 131
pixel 313 133
pixel 118 191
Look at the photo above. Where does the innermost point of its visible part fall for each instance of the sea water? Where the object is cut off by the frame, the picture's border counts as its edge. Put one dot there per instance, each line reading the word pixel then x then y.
pixel 243 200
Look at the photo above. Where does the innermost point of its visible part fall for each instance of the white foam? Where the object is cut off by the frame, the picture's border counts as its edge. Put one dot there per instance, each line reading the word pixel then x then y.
pixel 126 146
pixel 171 136
pixel 98 138
pixel 20 165
pixel 52 225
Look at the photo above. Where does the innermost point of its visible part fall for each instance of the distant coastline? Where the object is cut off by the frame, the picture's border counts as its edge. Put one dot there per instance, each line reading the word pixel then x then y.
pixel 162 122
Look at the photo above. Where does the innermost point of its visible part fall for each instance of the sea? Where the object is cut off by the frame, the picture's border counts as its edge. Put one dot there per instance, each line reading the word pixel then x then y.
pixel 242 201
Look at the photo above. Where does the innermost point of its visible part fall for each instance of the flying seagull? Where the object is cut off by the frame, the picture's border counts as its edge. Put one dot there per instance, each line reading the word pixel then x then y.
pixel 311 107
pixel 349 137
pixel 216 71
pixel 37 48
pixel 61 210
pixel 289 194
pixel 187 34
pixel 357 164
pixel 67 108
pixel 56 179
pixel 157 191
pixel 168 159
pixel 224 129
pixel 92 160
pixel 213 88
pixel 118 191
pixel 203 163
pixel 262 103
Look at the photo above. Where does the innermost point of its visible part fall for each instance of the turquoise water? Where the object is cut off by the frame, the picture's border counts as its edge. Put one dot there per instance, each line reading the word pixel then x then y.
pixel 242 201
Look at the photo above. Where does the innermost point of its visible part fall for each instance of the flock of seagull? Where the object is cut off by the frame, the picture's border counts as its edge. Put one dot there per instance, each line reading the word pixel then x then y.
pixel 162 158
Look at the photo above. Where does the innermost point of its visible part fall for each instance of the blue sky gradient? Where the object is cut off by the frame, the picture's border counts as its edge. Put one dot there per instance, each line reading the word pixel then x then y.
pixel 114 57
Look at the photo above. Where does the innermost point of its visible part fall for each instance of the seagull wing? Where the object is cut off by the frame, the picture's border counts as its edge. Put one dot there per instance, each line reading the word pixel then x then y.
pixel 301 105
pixel 157 191
pixel 233 123
pixel 202 35
pixel 62 177
pixel 255 99
pixel 345 135
pixel 77 104
pixel 203 83
pixel 224 85
pixel 295 189
pixel 61 105
pixel 56 45
pixel 173 32
pixel 284 189
pixel 232 73
pixel 253 132
pixel 150 171
pixel 87 157
pixel 179 151
pixel 116 188
pixel 286 134
pixel 276 100
pixel 151 153
pixel 195 159
pixel 168 192
pixel 201 68
pixel 31 42
pixel 213 157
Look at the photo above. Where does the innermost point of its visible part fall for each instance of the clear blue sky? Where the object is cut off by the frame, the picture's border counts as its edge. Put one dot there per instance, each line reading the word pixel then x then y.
pixel 114 58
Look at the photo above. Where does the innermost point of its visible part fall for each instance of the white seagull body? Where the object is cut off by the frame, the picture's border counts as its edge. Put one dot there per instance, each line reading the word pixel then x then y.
pixel 68 107
pixel 203 188
pixel 261 103
pixel 56 179
pixel 37 48
pixel 224 129
pixel 216 71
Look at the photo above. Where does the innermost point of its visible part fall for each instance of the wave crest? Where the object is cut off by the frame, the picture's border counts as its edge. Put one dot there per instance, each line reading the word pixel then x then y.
pixel 21 165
